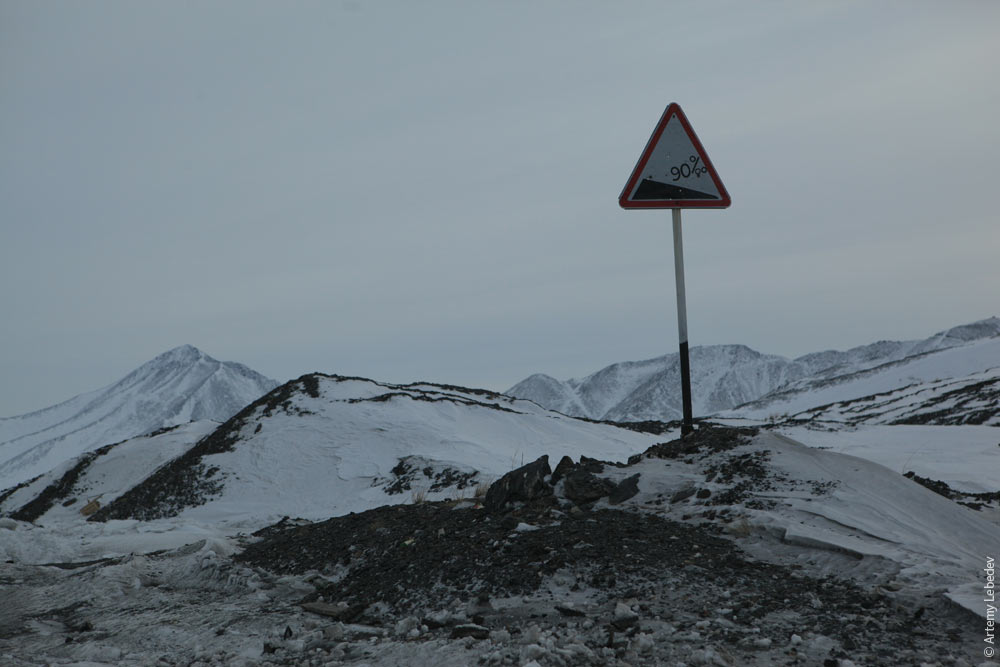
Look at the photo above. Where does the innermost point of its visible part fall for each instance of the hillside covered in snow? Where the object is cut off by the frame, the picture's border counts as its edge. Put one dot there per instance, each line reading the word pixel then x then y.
pixel 177 387
pixel 956 385
pixel 323 444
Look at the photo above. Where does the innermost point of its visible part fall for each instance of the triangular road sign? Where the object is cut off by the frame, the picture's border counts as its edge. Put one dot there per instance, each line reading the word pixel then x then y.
pixel 674 171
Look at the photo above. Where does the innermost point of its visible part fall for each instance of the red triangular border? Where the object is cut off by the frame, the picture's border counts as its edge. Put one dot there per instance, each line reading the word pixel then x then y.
pixel 672 110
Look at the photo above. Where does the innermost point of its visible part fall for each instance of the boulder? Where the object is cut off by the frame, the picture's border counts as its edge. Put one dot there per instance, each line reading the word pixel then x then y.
pixel 563 468
pixel 524 483
pixel 624 616
pixel 584 487
pixel 626 489
pixel 569 609
pixel 683 494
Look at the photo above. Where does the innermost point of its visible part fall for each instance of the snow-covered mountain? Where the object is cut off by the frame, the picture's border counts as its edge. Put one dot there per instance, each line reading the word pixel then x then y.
pixel 329 444
pixel 726 376
pixel 179 386
pixel 721 376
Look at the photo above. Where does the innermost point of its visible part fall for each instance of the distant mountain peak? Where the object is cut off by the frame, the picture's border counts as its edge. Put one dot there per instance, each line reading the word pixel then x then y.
pixel 182 352
pixel 178 386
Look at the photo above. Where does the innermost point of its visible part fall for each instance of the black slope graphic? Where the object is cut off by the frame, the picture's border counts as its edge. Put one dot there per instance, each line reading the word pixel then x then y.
pixel 650 189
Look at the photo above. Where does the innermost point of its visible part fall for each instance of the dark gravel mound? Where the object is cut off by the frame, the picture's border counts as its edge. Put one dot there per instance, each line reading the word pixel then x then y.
pixel 707 439
pixel 418 557
pixel 413 555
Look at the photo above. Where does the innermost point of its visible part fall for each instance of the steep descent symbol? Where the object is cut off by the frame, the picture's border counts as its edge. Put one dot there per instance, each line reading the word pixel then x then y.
pixel 673 170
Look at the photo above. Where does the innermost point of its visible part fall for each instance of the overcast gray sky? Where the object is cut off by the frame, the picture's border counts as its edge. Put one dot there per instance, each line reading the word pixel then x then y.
pixel 428 190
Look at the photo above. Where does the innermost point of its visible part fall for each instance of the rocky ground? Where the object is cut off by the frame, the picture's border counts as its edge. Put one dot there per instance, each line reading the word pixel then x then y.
pixel 543 574
pixel 595 587
pixel 548 568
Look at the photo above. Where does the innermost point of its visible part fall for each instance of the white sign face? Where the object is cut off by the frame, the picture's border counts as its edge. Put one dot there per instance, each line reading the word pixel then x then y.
pixel 674 171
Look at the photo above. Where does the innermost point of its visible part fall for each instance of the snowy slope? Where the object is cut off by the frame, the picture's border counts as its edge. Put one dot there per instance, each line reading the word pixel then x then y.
pixel 177 387
pixel 726 376
pixel 964 457
pixel 323 445
pixel 954 385
pixel 102 475
pixel 873 510
pixel 815 499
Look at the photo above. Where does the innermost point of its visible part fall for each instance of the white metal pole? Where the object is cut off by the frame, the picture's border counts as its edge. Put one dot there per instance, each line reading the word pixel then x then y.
pixel 682 325
pixel 682 332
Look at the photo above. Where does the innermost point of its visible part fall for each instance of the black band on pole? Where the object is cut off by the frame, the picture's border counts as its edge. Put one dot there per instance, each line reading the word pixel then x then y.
pixel 688 425
pixel 682 327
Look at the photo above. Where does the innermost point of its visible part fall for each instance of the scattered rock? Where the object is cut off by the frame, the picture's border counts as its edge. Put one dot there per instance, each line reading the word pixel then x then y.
pixel 524 483
pixel 644 643
pixel 417 472
pixel 581 486
pixel 709 656
pixel 360 631
pixel 588 464
pixel 407 625
pixel 439 619
pixel 562 468
pixel 683 494
pixel 470 630
pixel 481 606
pixel 625 490
pixel 624 617
pixel 569 610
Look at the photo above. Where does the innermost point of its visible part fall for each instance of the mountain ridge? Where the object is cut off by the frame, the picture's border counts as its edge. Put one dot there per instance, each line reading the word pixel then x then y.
pixel 723 377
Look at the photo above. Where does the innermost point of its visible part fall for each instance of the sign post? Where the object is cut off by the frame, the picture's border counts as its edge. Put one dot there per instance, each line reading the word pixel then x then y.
pixel 674 172
pixel 682 325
